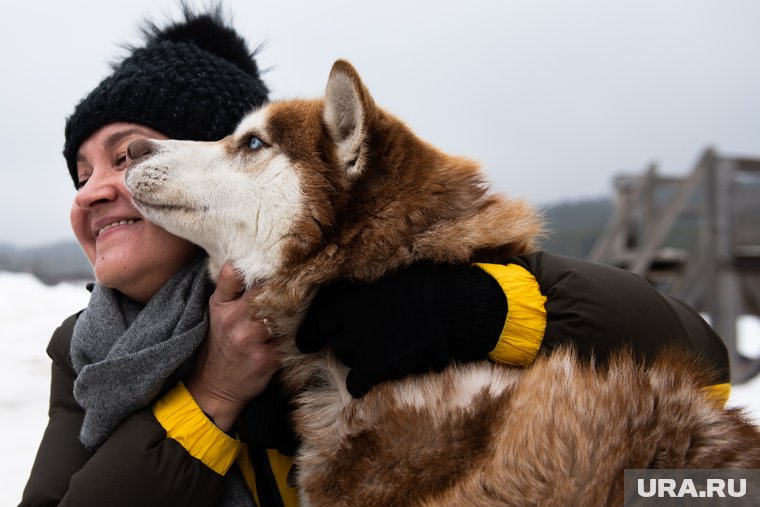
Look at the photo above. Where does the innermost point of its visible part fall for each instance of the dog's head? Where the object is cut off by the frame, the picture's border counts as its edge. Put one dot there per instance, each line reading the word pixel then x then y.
pixel 336 181
pixel 268 190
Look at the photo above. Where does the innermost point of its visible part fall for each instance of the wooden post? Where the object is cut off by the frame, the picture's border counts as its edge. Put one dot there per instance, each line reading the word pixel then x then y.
pixel 617 224
pixel 656 235
pixel 725 302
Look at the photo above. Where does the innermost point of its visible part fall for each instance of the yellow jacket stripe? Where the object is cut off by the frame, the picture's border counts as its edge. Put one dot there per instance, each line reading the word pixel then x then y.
pixel 246 468
pixel 525 324
pixel 719 393
pixel 281 466
pixel 185 422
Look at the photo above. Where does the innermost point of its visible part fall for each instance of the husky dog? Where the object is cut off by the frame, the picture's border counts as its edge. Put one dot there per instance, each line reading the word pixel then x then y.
pixel 306 192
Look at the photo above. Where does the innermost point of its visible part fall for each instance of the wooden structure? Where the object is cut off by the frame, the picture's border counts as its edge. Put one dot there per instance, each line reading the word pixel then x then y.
pixel 696 238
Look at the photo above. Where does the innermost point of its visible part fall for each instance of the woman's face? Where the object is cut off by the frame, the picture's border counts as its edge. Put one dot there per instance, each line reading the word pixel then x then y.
pixel 129 253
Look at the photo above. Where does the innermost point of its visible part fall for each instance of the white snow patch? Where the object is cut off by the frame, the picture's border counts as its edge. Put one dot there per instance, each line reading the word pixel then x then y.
pixel 29 313
pixel 748 335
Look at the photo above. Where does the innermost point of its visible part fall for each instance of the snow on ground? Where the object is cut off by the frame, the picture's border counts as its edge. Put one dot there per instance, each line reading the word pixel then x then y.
pixel 30 312
pixel 748 394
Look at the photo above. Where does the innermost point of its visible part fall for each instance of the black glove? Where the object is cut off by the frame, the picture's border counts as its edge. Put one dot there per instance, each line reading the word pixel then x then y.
pixel 411 321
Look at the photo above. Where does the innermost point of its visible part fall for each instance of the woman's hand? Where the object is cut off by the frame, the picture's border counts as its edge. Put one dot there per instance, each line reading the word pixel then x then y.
pixel 237 360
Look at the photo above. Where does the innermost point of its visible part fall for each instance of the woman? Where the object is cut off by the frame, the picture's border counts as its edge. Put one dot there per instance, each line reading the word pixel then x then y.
pixel 162 390
pixel 209 86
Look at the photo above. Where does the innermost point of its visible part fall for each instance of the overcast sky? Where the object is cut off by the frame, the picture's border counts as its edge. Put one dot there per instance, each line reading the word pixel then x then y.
pixel 553 97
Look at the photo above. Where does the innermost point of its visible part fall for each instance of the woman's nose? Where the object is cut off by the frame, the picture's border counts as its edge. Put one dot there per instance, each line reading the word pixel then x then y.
pixel 101 187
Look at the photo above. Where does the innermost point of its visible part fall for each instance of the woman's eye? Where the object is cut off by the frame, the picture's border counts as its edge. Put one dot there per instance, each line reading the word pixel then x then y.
pixel 81 183
pixel 120 159
pixel 255 143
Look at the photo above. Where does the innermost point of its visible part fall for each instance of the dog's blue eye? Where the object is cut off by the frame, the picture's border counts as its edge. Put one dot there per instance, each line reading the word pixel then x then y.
pixel 255 143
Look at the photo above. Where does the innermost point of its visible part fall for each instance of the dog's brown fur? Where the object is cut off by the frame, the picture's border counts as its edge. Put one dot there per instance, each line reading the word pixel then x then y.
pixel 560 434
pixel 378 198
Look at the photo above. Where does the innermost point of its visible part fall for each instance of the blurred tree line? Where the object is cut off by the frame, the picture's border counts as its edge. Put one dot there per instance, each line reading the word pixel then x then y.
pixel 572 227
pixel 63 261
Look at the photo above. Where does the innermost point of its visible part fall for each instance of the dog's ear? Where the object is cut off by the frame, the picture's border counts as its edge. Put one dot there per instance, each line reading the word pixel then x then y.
pixel 348 112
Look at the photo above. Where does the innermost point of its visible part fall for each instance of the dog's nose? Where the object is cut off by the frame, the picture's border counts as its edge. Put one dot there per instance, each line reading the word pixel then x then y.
pixel 139 148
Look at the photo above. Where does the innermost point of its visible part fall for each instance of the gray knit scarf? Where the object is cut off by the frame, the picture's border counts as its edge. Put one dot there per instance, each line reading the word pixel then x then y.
pixel 126 355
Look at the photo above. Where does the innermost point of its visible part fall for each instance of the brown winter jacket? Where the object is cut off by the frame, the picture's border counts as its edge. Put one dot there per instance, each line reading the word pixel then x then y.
pixel 138 465
pixel 138 458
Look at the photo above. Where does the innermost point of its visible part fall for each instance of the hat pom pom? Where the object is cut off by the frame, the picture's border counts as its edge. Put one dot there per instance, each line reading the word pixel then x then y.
pixel 210 32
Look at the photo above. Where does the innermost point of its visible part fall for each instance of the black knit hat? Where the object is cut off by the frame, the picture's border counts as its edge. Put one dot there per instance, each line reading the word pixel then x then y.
pixel 194 79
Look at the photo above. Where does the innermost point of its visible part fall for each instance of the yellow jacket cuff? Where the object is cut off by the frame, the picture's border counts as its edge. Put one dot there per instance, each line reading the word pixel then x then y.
pixel 525 324
pixel 719 393
pixel 185 422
